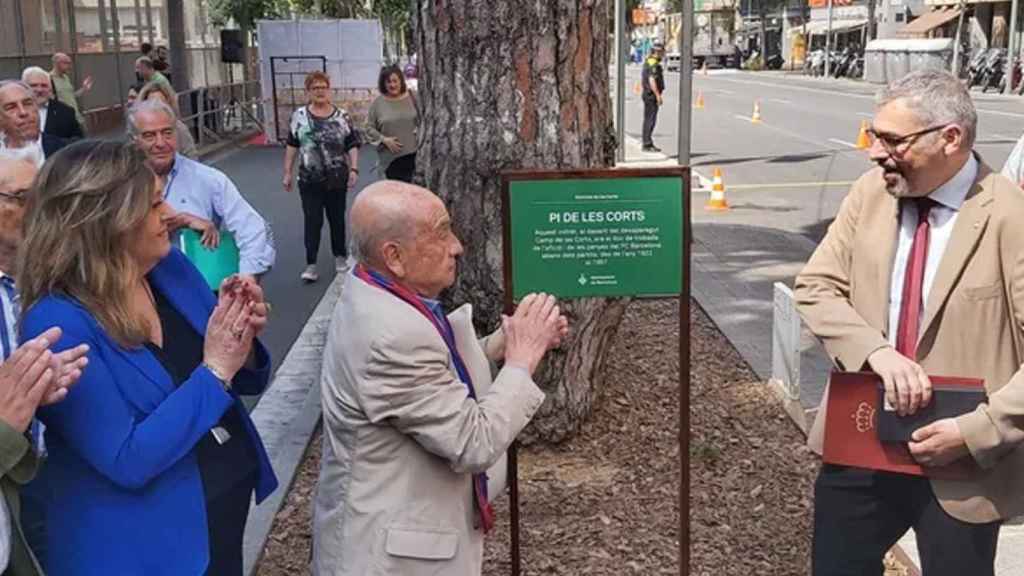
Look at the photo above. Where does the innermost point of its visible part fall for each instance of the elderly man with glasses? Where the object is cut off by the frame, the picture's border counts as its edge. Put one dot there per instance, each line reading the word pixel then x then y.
pixel 922 273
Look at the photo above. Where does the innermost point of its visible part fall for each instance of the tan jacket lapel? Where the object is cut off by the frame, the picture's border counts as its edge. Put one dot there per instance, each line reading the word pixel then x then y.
pixel 970 225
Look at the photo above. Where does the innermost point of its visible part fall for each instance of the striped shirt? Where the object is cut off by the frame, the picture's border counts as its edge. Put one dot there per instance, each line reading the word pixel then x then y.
pixel 9 310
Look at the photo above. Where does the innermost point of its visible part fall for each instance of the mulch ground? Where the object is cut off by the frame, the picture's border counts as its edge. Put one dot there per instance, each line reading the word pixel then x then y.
pixel 606 502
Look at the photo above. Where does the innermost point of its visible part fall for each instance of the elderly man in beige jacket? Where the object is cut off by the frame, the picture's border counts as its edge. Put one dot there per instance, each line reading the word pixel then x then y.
pixel 412 420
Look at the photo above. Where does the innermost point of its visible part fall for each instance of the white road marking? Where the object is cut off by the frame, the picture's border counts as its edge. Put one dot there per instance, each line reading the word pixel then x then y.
pixel 848 95
pixel 843 142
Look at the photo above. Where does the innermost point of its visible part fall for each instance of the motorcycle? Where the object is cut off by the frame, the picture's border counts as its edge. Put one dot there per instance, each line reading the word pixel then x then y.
pixel 857 68
pixel 976 67
pixel 841 64
pixel 816 63
pixel 995 65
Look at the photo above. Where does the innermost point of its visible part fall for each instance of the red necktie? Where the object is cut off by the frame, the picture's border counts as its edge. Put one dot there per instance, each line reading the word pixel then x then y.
pixel 913 283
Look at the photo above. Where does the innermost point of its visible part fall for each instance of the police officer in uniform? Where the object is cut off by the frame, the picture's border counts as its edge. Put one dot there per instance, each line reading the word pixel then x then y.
pixel 653 80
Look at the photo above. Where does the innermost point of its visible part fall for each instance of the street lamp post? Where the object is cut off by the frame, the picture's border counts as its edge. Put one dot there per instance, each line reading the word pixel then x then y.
pixel 828 43
pixel 685 82
pixel 1013 46
pixel 620 80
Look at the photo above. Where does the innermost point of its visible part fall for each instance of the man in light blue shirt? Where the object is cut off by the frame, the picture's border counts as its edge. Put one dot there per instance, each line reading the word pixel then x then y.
pixel 205 198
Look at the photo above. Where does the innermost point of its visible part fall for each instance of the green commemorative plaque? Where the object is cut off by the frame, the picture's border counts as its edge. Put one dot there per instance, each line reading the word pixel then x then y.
pixel 597 233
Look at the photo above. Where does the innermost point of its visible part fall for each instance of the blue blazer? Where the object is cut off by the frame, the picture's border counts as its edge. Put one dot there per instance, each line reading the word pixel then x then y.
pixel 120 492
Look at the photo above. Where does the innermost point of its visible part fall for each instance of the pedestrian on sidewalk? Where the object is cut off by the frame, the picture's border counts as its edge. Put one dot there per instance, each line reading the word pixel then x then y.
pixel 412 420
pixel 144 68
pixel 203 198
pixel 64 88
pixel 653 80
pixel 327 145
pixel 152 459
pixel 922 273
pixel 391 125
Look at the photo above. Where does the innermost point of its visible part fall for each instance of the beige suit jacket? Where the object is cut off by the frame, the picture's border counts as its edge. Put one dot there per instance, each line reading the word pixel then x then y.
pixel 971 326
pixel 402 438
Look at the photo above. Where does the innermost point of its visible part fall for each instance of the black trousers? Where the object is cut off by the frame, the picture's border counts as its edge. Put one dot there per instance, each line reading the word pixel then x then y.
pixel 318 199
pixel 226 517
pixel 650 119
pixel 402 168
pixel 859 514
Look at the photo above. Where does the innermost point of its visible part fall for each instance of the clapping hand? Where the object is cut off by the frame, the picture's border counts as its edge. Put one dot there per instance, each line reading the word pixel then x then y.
pixel 67 366
pixel 229 333
pixel 534 328
pixel 246 286
pixel 33 375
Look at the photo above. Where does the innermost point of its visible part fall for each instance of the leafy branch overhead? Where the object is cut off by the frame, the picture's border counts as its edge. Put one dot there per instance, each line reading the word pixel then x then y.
pixel 246 12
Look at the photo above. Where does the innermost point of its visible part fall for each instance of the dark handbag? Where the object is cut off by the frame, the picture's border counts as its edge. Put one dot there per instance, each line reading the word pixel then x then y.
pixel 337 178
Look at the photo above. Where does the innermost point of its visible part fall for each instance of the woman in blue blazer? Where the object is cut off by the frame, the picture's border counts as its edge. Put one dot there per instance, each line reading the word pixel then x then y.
pixel 152 459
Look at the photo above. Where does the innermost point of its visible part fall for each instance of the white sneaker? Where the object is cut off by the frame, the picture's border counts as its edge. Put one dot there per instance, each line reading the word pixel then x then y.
pixel 341 264
pixel 309 275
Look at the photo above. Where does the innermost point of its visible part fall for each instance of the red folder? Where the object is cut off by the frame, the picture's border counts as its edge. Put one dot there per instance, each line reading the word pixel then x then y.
pixel 851 437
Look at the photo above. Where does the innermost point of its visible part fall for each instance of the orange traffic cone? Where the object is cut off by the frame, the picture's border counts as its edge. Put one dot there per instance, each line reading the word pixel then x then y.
pixel 717 199
pixel 700 101
pixel 756 117
pixel 863 142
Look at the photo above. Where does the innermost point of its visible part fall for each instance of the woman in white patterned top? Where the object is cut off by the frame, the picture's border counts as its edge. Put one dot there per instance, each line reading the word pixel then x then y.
pixel 327 144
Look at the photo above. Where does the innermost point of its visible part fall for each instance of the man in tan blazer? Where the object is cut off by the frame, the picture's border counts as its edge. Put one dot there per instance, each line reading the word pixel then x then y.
pixel 922 272
pixel 411 418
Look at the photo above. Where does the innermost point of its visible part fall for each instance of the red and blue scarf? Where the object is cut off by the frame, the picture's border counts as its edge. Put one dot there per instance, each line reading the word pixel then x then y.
pixel 444 328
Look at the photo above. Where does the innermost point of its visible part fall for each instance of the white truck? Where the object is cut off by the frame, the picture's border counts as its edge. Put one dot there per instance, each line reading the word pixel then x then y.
pixel 714 35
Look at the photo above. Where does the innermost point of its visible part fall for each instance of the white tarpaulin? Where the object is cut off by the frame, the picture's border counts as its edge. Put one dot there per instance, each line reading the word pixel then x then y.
pixel 353 50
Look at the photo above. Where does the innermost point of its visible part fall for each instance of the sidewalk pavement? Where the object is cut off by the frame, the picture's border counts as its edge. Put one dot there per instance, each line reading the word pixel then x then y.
pixel 734 267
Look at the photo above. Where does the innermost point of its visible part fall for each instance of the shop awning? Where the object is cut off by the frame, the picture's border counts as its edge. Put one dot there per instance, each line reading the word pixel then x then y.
pixel 927 22
pixel 819 27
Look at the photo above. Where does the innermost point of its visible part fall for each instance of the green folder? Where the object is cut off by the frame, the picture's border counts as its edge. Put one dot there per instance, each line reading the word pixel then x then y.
pixel 215 265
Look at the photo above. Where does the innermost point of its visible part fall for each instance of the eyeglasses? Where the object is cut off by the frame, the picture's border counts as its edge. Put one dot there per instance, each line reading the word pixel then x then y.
pixel 898 145
pixel 319 87
pixel 17 197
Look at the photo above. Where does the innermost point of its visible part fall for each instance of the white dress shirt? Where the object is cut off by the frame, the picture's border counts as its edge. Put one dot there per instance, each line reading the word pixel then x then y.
pixel 206 192
pixel 43 113
pixel 32 152
pixel 948 198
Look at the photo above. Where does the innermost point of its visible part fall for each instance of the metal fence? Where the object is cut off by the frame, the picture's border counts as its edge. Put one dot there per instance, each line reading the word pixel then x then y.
pixel 215 113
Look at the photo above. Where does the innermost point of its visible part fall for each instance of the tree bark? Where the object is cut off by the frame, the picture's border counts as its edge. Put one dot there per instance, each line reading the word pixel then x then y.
pixel 505 85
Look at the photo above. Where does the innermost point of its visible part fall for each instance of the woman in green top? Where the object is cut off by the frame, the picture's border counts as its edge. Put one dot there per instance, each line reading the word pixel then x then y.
pixel 391 125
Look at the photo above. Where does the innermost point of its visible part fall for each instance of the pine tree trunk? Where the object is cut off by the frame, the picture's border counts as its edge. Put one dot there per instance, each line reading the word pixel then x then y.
pixel 515 84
